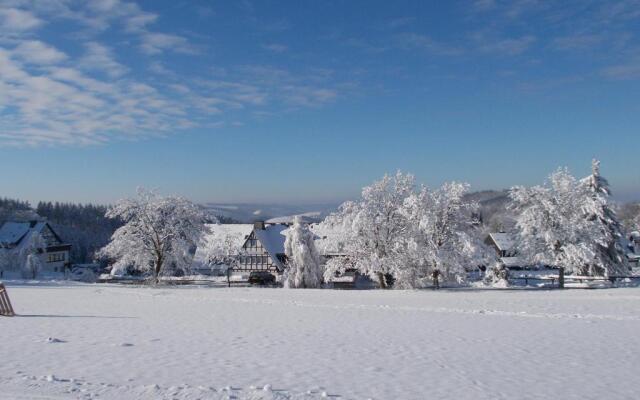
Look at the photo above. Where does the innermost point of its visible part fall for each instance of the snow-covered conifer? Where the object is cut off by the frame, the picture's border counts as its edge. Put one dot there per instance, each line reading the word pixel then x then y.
pixel 610 258
pixel 304 268
pixel 158 233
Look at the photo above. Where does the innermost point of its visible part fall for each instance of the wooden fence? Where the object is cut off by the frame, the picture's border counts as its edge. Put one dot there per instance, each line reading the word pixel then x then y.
pixel 559 281
pixel 5 304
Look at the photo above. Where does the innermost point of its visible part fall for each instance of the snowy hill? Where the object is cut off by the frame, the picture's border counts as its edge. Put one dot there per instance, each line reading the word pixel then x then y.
pixel 250 212
pixel 494 208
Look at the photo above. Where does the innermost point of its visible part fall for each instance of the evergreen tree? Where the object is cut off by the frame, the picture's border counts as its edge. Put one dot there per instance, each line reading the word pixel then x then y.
pixel 610 258
pixel 304 269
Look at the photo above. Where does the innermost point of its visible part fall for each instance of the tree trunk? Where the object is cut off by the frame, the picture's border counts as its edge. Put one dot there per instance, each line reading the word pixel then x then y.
pixel 382 280
pixel 156 271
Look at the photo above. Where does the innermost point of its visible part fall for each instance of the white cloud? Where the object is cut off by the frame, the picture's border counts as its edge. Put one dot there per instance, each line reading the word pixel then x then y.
pixel 577 41
pixel 100 58
pixel 628 70
pixel 138 22
pixel 503 46
pixel 37 52
pixel 275 47
pixel 61 105
pixel 484 5
pixel 86 95
pixel 156 43
pixel 263 87
pixel 104 5
pixel 16 20
pixel 427 43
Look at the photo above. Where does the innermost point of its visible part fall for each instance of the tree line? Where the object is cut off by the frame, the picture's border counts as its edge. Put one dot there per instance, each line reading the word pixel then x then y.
pixel 399 234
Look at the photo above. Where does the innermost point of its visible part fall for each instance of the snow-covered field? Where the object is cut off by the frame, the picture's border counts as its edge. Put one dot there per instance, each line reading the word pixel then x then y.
pixel 114 342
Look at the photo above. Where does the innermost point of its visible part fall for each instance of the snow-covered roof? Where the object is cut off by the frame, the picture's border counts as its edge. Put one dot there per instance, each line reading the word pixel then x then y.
pixel 237 231
pixel 328 240
pixel 502 240
pixel 272 238
pixel 511 261
pixel 218 233
pixel 13 233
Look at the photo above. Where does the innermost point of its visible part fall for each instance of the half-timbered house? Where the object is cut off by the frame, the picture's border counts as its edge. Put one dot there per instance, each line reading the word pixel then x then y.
pixel 263 250
pixel 251 247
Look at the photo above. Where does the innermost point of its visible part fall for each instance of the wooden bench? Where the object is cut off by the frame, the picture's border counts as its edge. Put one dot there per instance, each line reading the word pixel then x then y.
pixel 5 304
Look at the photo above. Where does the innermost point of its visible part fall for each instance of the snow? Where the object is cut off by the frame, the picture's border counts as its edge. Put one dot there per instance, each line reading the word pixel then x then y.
pixel 219 343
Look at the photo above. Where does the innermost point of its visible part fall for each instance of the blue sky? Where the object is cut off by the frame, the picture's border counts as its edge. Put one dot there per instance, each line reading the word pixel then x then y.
pixel 307 101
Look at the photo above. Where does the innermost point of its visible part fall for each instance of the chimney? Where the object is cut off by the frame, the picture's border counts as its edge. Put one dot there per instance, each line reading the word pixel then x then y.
pixel 258 225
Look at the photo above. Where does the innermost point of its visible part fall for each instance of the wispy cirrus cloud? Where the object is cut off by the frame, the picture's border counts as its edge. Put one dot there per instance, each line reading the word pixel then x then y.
pixel 275 47
pixel 418 41
pixel 504 46
pixel 577 41
pixel 89 94
pixel 623 71
pixel 156 43
pixel 62 105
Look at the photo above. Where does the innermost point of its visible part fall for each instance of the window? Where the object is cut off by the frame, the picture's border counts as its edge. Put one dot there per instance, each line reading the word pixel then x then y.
pixel 55 257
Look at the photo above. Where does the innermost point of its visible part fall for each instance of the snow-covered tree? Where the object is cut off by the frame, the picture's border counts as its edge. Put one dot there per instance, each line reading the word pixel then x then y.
pixel 610 257
pixel 554 225
pixel 221 248
pixel 373 229
pixel 442 236
pixel 396 232
pixel 304 268
pixel 32 267
pixel 30 256
pixel 158 233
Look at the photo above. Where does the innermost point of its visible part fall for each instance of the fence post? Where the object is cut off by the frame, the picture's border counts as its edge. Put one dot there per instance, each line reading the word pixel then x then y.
pixel 5 304
pixel 561 278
